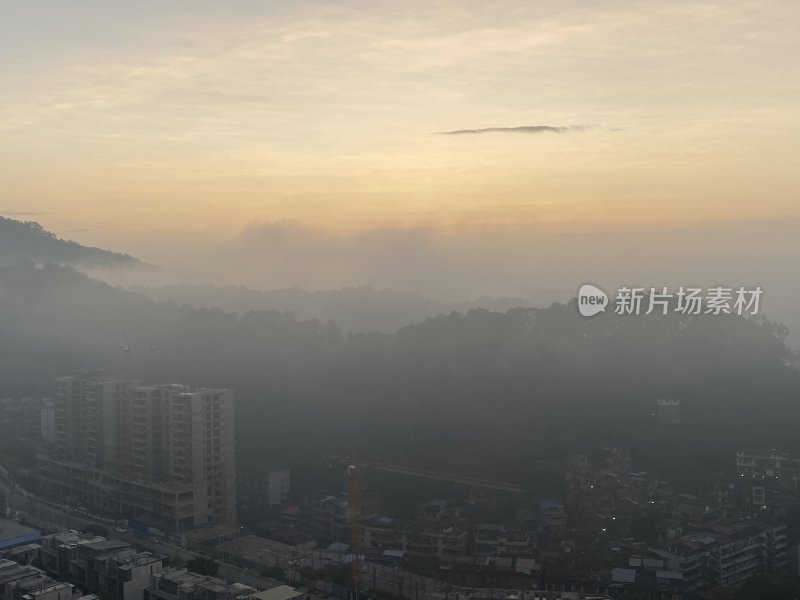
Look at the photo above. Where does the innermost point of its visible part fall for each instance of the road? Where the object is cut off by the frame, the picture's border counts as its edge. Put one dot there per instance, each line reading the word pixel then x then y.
pixel 47 514
pixel 396 582
pixel 226 571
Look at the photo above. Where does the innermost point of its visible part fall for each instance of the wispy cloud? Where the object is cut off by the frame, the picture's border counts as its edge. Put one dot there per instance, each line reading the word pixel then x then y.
pixel 23 213
pixel 530 129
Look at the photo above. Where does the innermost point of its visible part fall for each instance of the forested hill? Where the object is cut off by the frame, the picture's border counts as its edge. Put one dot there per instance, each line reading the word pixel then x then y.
pixel 355 309
pixel 483 392
pixel 26 240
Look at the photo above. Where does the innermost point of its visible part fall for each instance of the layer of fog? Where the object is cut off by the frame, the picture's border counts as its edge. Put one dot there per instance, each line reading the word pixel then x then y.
pixel 462 266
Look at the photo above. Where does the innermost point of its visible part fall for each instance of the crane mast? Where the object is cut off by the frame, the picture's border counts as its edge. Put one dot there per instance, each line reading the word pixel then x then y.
pixel 355 472
pixel 354 503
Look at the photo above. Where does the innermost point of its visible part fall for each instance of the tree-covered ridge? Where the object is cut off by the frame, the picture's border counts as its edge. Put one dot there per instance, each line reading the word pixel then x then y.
pixel 27 240
pixel 481 392
pixel 354 309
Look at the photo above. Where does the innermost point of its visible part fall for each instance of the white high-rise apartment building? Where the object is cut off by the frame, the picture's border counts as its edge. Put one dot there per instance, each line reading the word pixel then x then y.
pixel 159 454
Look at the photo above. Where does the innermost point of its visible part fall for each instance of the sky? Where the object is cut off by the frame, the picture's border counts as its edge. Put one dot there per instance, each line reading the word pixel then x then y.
pixel 346 134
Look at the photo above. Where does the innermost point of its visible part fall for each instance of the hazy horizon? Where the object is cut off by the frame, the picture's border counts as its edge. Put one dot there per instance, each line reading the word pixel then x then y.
pixel 449 149
pixel 463 267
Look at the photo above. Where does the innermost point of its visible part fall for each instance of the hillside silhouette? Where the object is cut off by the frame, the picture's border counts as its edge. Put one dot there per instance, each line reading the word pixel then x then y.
pixel 27 240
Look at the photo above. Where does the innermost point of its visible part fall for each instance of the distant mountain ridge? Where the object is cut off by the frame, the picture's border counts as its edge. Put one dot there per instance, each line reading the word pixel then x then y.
pixel 354 309
pixel 27 240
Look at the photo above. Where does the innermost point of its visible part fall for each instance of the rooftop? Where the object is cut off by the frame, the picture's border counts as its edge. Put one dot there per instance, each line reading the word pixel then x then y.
pixel 103 545
pixel 15 534
pixel 282 592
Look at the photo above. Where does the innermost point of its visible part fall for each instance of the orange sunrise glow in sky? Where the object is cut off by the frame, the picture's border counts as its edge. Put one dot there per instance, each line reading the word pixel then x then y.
pixel 121 120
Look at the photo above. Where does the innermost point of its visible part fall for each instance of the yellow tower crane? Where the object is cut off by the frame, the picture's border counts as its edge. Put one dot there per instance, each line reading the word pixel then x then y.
pixel 357 467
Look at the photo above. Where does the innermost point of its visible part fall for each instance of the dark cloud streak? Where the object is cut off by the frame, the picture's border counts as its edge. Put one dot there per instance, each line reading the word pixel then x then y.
pixel 529 129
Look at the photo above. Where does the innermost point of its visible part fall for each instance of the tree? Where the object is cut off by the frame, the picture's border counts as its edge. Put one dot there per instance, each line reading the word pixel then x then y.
pixel 770 588
pixel 203 565
pixel 175 561
pixel 95 529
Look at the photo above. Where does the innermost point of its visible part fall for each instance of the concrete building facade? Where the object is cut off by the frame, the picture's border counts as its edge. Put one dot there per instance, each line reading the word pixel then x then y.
pixel 110 567
pixel 47 416
pixel 181 584
pixel 25 582
pixel 161 454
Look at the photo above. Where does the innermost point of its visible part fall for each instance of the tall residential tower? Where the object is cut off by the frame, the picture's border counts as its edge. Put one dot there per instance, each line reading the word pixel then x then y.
pixel 161 454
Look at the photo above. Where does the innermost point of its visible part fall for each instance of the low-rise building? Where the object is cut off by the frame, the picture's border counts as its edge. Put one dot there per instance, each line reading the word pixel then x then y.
pixel 182 584
pixel 330 518
pixel 24 554
pixel 25 582
pixel 259 487
pixel 112 567
pixel 745 549
pixel 668 411
pixel 727 555
pixel 385 533
pixel 500 540
pixel 552 518
pixel 443 542
pixel 781 467
pixel 123 574
pixel 55 550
